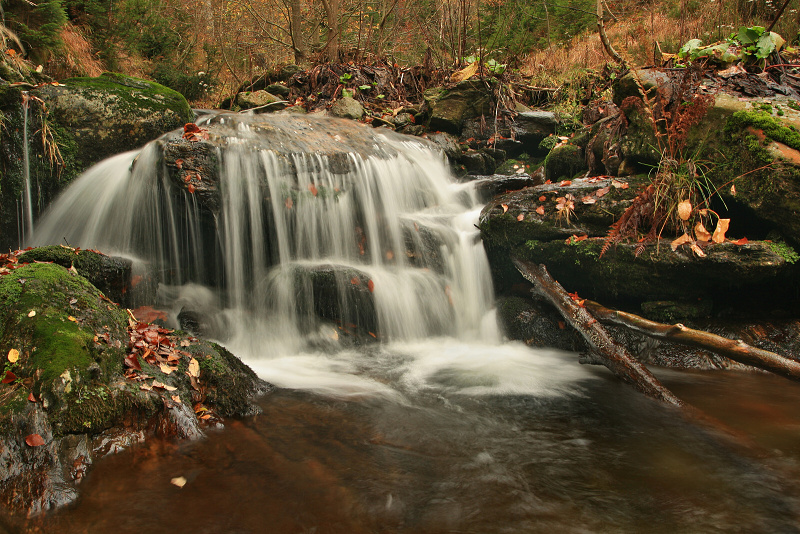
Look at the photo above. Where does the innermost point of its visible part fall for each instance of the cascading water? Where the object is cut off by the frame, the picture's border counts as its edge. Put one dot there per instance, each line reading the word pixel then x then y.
pixel 286 238
pixel 27 204
pixel 309 230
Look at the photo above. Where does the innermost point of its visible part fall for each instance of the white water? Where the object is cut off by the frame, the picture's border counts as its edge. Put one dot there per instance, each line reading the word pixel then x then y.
pixel 27 203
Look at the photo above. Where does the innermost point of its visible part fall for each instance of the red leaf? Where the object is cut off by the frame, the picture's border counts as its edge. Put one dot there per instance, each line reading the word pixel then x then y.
pixel 540 210
pixel 742 241
pixel 355 281
pixel 542 198
pixel 34 440
pixel 31 397
pixel 313 189
pixel 190 188
pixel 9 378
pixel 565 183
pixel 132 361
pixel 371 286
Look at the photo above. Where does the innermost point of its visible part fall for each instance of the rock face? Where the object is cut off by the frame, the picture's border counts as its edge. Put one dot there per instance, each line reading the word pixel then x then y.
pixel 67 396
pixel 84 120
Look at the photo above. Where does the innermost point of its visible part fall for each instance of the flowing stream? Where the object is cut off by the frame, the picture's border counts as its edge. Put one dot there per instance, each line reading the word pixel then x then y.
pixel 306 250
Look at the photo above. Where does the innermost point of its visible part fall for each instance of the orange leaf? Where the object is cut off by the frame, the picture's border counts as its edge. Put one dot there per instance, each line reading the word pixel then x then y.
pixel 565 183
pixel 520 216
pixel 680 241
pixel 289 203
pixel 742 241
pixel 684 210
pixel 371 286
pixel 542 198
pixel 505 207
pixel 34 440
pixel 190 188
pixel 313 189
pixel 701 233
pixel 561 325
pixel 31 397
pixel 540 210
pixel 719 233
pixel 355 281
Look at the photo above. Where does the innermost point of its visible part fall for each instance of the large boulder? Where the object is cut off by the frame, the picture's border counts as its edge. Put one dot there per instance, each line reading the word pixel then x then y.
pixel 449 108
pixel 80 381
pixel 347 108
pixel 71 126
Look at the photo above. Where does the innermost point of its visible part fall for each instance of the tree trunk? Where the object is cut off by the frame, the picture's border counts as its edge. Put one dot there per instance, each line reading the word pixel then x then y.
pixel 298 43
pixel 734 349
pixel 332 16
pixel 610 353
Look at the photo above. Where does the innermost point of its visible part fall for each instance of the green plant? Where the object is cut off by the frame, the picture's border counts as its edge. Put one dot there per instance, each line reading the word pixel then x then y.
pixel 785 251
pixel 346 77
pixel 346 93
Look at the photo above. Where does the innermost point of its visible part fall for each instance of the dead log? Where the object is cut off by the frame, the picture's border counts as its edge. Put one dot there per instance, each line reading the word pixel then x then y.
pixel 734 349
pixel 612 354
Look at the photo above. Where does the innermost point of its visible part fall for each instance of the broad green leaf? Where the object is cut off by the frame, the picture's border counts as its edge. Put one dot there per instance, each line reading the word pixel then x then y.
pixel 689 48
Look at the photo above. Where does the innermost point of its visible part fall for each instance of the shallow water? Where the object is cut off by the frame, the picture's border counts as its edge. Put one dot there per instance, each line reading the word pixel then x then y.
pixel 443 437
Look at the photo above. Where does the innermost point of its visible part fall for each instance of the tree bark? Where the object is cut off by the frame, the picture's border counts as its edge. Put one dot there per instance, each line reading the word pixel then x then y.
pixel 332 16
pixel 734 349
pixel 298 43
pixel 601 29
pixel 613 355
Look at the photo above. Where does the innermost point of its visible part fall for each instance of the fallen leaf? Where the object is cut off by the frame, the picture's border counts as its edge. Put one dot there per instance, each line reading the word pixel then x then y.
pixel 742 241
pixel 466 73
pixel 132 361
pixel 72 270
pixel 540 210
pixel 34 440
pixel 505 207
pixel 520 216
pixel 313 189
pixel 697 250
pixel 32 313
pixel 561 325
pixel 389 255
pixel 185 343
pixel 177 398
pixel 680 241
pixel 565 183
pixel 733 190
pixel 542 198
pixel 701 233
pixel 166 369
pixel 619 184
pixel 73 319
pixel 355 281
pixel 161 385
pixel 719 232
pixel 31 397
pixel 588 200
pixel 194 368
pixel 13 355
pixel 684 210
pixel 602 192
pixel 371 286
pixel 178 481
pixel 9 378
pixel 190 188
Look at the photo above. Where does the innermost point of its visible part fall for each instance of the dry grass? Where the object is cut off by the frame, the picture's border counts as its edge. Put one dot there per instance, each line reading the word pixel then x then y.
pixel 77 58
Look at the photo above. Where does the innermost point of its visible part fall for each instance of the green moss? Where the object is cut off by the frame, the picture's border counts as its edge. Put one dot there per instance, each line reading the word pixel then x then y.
pixel 145 94
pixel 785 251
pixel 771 127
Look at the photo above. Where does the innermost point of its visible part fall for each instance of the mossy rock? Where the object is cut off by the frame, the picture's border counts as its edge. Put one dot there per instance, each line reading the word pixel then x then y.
pixel 630 272
pixel 451 107
pixel 110 275
pixel 564 162
pixel 113 113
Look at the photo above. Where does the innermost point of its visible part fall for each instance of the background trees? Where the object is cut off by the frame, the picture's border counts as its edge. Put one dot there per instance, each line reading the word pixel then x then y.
pixel 205 48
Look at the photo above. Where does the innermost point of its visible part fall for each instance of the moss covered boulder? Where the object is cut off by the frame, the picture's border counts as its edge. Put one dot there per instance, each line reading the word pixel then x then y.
pixel 113 113
pixel 81 379
pixel 449 108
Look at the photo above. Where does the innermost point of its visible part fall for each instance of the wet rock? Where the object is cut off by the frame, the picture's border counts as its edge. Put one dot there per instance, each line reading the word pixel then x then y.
pixel 70 400
pixel 347 108
pixel 451 107
pixel 531 127
pixel 278 90
pixel 111 275
pixel 448 143
pixel 257 99
pixel 536 324
pixel 564 162
pixel 490 186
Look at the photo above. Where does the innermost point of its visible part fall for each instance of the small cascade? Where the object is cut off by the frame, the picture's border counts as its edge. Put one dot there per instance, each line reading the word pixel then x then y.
pixel 280 232
pixel 26 230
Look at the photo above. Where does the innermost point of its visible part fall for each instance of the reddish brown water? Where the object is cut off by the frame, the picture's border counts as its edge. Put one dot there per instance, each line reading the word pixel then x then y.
pixel 603 459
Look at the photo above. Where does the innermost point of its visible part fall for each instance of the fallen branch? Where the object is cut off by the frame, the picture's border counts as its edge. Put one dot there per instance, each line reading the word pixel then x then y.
pixel 613 355
pixel 734 349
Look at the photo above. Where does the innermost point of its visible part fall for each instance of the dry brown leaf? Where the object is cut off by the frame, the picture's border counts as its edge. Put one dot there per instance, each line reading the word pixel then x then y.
pixel 684 210
pixel 733 190
pixel 465 74
pixel 32 313
pixel 178 481
pixel 719 232
pixel 194 368
pixel 701 233
pixel 685 238
pixel 520 217
pixel 697 250
pixel 505 207
pixel 34 440
pixel 166 369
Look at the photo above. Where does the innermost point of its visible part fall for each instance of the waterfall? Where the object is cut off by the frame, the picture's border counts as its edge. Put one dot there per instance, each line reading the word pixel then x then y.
pixel 27 203
pixel 308 232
